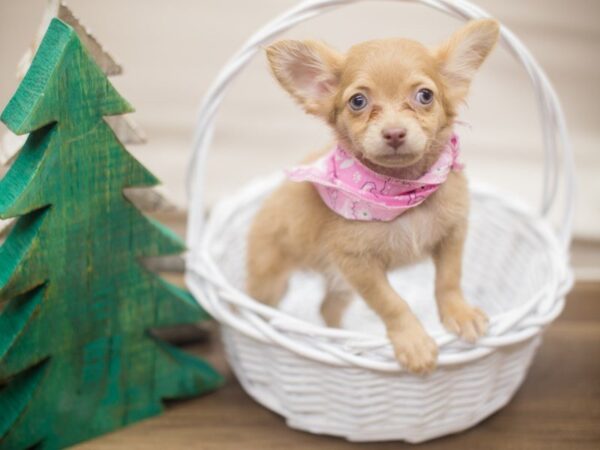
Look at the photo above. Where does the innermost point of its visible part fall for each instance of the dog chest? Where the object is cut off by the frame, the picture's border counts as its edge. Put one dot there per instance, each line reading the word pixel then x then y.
pixel 413 235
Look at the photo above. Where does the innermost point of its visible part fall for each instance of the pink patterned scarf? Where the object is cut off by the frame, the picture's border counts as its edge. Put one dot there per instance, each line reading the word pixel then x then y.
pixel 356 192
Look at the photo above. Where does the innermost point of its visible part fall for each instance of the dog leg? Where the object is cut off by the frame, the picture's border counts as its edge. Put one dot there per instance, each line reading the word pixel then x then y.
pixel 413 347
pixel 267 275
pixel 338 296
pixel 456 314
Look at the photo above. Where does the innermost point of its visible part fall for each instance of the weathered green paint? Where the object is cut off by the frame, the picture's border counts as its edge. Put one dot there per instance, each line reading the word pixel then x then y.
pixel 76 355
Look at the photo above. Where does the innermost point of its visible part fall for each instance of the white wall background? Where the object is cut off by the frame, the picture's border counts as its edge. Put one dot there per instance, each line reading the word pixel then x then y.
pixel 172 50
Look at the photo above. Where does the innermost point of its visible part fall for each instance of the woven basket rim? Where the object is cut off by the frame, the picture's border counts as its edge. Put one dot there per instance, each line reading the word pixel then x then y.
pixel 266 323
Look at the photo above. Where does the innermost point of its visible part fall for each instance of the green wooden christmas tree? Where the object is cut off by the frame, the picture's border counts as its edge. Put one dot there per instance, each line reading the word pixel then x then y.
pixel 77 356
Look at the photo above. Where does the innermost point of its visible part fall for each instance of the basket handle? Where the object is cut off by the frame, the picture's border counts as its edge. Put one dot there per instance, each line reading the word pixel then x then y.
pixel 559 167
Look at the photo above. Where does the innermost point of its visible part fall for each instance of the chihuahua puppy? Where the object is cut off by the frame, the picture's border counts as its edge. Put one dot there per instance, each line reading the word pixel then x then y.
pixel 392 104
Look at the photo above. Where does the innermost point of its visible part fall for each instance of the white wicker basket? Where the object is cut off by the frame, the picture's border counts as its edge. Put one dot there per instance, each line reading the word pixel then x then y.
pixel 347 382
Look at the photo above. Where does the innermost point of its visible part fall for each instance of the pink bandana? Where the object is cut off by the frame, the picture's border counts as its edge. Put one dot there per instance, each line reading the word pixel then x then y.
pixel 356 192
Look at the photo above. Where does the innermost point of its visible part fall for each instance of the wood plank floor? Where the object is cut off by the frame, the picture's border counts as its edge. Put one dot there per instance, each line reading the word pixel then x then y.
pixel 558 406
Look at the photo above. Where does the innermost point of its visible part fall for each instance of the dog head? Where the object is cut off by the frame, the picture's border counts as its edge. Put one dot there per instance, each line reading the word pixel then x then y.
pixel 389 101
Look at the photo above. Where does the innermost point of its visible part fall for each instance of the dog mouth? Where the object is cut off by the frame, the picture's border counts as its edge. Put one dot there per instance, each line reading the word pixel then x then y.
pixel 396 159
pixel 387 157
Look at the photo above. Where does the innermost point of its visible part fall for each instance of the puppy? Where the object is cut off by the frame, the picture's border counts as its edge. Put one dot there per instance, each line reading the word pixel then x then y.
pixel 392 104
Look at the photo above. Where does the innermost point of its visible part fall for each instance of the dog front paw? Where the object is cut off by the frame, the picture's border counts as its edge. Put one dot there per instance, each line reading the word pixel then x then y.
pixel 466 321
pixel 415 349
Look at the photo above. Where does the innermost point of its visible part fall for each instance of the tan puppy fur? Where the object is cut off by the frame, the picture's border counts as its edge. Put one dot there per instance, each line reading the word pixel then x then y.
pixel 294 228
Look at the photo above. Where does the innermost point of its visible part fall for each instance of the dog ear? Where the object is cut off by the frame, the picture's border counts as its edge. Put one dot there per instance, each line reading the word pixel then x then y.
pixel 309 71
pixel 461 55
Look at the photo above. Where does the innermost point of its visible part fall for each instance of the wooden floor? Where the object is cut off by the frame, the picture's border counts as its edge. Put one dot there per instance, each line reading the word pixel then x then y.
pixel 558 406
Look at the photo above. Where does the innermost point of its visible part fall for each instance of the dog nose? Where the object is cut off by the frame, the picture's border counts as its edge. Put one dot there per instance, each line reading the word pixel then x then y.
pixel 394 137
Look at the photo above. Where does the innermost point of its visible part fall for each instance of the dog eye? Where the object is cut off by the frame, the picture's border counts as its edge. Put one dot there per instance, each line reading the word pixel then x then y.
pixel 358 102
pixel 424 96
